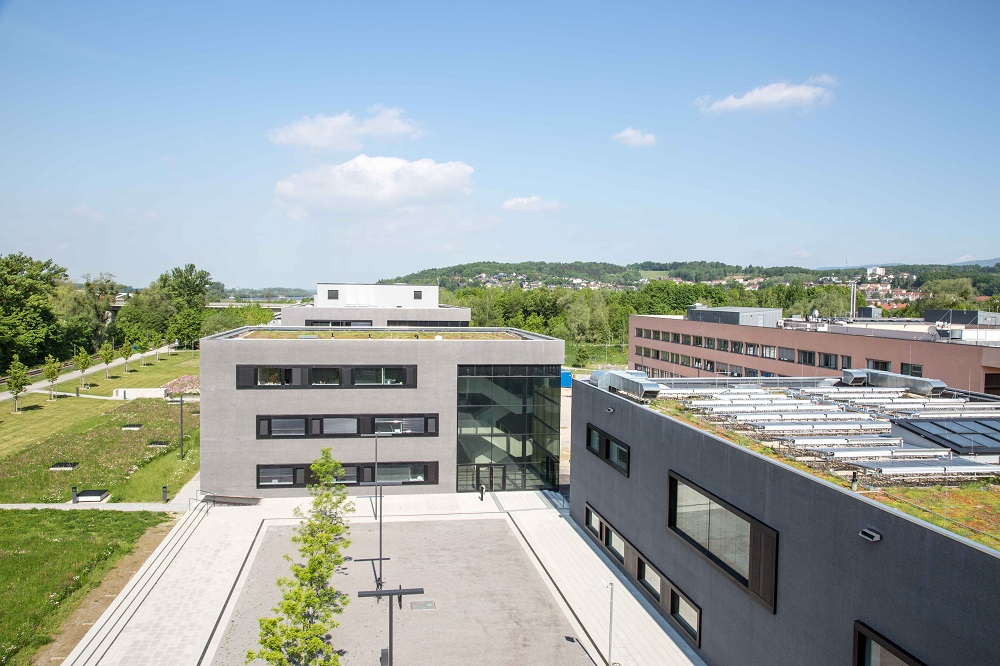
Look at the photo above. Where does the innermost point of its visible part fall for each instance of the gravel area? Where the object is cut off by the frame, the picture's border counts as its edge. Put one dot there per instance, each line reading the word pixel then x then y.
pixel 491 604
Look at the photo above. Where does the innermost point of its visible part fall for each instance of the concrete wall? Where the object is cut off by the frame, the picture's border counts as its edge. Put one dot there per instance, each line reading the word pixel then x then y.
pixel 297 315
pixel 377 295
pixel 230 449
pixel 930 592
pixel 957 365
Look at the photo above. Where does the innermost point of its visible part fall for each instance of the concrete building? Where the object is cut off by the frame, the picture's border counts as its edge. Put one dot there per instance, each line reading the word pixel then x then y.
pixel 375 305
pixel 454 410
pixel 758 562
pixel 960 348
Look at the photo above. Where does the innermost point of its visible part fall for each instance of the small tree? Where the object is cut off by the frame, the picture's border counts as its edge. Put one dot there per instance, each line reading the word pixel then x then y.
pixel 305 614
pixel 82 362
pixel 125 352
pixel 17 379
pixel 107 354
pixel 143 348
pixel 51 374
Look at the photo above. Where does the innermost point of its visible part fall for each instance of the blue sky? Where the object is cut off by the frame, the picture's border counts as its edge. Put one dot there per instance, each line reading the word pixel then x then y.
pixel 297 142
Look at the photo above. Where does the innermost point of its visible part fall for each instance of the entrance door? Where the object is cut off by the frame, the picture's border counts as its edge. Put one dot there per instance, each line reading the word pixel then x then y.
pixel 494 477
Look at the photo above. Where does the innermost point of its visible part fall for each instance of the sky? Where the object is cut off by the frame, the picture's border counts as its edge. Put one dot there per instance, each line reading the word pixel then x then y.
pixel 285 144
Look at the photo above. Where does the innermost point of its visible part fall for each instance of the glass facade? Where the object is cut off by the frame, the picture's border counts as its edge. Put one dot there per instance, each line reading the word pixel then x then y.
pixel 508 427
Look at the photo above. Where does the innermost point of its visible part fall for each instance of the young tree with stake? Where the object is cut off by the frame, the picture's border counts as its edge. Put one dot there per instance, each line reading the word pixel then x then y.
pixel 107 354
pixel 17 379
pixel 82 362
pixel 51 374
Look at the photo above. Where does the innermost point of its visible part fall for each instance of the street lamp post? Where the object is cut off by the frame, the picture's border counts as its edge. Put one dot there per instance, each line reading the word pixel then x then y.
pixel 399 594
pixel 379 493
pixel 182 426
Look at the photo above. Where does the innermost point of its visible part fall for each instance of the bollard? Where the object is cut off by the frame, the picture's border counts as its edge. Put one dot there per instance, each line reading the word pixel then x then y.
pixel 482 493
pixel 75 500
pixel 854 481
pixel 164 494
pixel 78 391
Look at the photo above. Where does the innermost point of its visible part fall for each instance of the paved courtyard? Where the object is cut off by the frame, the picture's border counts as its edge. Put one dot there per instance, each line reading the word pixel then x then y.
pixel 511 578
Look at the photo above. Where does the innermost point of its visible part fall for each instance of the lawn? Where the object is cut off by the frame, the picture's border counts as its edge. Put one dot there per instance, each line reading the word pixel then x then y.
pixel 597 355
pixel 49 560
pixel 154 375
pixel 976 505
pixel 109 457
pixel 42 417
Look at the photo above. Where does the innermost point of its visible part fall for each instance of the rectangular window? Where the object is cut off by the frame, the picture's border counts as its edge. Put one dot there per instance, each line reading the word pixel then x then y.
pixel 418 295
pixel 685 613
pixel 645 351
pixel 594 440
pixel 649 578
pixel 275 476
pixel 407 473
pixel 288 427
pixel 873 649
pixel 333 294
pixel 675 338
pixel 618 455
pixel 274 376
pixel 740 546
pixel 638 350
pixel 675 358
pixel 845 363
pixel 409 425
pixel 828 361
pixel 752 349
pixel 614 543
pixel 697 341
pixel 735 371
pixel 646 333
pixel 786 354
pixel 696 363
pixel 686 360
pixel 875 364
pixel 593 522
pixel 709 365
pixel 723 345
pixel 750 372
pixel 911 369
pixel 685 339
pixel 769 352
pixel 722 367
pixel 709 343
pixel 387 376
pixel 656 335
pixel 638 332
pixel 324 376
pixel 736 346
pixel 807 357
pixel 349 476
pixel 335 425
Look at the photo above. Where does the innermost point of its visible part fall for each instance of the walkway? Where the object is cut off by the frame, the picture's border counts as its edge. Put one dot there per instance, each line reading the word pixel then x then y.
pixel 175 608
pixel 76 374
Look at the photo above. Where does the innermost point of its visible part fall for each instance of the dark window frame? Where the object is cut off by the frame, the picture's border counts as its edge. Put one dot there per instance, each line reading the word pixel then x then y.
pixel 418 295
pixel 863 633
pixel 604 451
pixel 300 377
pixel 431 473
pixel 333 294
pixel 763 547
pixel 366 425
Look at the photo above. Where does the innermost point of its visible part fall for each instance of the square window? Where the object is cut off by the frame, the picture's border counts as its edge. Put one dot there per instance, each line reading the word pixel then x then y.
pixel 418 295
pixel 333 294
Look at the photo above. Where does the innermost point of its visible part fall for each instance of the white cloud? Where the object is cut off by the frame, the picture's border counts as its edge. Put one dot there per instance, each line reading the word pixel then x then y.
pixel 377 185
pixel 88 213
pixel 815 91
pixel 533 204
pixel 801 254
pixel 964 257
pixel 344 131
pixel 635 138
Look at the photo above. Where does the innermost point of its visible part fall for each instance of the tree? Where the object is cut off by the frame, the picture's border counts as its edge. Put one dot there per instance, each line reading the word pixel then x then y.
pixel 305 614
pixel 17 379
pixel 222 320
pixel 255 315
pixel 126 352
pixel 185 326
pixel 82 362
pixel 29 326
pixel 142 346
pixel 51 374
pixel 186 287
pixel 107 354
pixel 148 312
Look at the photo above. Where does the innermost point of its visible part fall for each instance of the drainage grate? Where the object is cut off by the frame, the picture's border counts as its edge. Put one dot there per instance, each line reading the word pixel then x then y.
pixel 421 605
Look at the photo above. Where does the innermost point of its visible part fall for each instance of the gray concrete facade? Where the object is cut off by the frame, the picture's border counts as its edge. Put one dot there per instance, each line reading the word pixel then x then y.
pixel 928 591
pixel 231 449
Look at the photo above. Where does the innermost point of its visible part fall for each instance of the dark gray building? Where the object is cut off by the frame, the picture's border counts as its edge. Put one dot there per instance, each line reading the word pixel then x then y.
pixel 763 317
pixel 757 562
pixel 453 409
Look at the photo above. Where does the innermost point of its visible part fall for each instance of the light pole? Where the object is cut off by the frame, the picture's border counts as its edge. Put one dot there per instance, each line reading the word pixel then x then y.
pixel 182 426
pixel 399 594
pixel 611 619
pixel 379 494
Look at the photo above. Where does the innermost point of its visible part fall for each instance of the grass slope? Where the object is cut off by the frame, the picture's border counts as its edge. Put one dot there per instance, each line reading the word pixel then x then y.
pixel 49 560
pixel 109 457
pixel 154 375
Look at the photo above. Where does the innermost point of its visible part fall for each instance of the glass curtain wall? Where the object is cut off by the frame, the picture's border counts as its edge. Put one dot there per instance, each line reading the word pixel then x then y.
pixel 508 427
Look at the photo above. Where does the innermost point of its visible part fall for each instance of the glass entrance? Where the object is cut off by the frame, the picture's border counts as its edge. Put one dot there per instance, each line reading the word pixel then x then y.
pixel 494 477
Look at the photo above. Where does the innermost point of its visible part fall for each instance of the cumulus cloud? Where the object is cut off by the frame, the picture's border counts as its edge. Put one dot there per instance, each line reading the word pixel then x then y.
pixel 533 204
pixel 374 184
pixel 88 213
pixel 635 138
pixel 814 91
pixel 345 131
